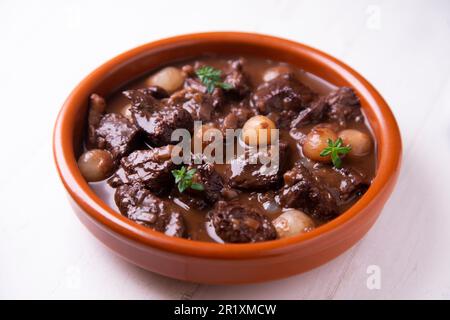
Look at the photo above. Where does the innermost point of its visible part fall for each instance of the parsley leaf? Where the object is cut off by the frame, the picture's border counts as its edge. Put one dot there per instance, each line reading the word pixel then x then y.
pixel 183 179
pixel 336 150
pixel 211 78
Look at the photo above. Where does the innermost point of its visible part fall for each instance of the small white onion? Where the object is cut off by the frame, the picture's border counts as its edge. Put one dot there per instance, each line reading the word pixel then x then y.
pixel 292 222
pixel 359 141
pixel 170 79
pixel 95 164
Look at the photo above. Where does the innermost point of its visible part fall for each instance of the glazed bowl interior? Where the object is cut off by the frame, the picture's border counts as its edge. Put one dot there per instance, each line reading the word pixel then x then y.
pixel 135 63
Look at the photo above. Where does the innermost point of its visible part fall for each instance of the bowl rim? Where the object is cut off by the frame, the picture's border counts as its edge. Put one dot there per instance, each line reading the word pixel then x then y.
pixel 389 156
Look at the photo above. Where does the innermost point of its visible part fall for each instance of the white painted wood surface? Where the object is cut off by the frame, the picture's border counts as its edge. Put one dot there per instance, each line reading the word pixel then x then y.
pixel 402 47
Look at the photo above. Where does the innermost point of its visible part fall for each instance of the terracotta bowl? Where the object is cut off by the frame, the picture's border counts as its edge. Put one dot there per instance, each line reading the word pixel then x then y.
pixel 212 262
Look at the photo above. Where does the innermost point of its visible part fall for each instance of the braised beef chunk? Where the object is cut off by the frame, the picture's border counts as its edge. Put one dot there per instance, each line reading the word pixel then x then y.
pixel 196 98
pixel 237 79
pixel 248 172
pixel 283 119
pixel 142 99
pixel 284 92
pixel 155 117
pixel 233 75
pixel 339 106
pixel 237 223
pixel 151 168
pixel 140 205
pixel 303 191
pixel 200 105
pixel 315 113
pixel 354 184
pixel 212 184
pixel 345 183
pixel 145 97
pixel 237 116
pixel 116 134
pixel 192 83
pixel 158 125
pixel 344 106
pixel 111 131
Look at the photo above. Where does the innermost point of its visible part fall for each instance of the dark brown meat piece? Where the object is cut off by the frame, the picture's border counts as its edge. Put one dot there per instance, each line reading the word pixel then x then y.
pixel 340 106
pixel 194 84
pixel 283 118
pixel 237 78
pixel 145 96
pixel 314 114
pixel 248 172
pixel 237 116
pixel 111 132
pixel 155 117
pixel 151 168
pixel 137 203
pixel 212 183
pixel 197 102
pixel 159 125
pixel 304 191
pixel 354 184
pixel 344 105
pixel 237 223
pixel 282 93
pixel 116 134
pixel 233 74
pixel 346 183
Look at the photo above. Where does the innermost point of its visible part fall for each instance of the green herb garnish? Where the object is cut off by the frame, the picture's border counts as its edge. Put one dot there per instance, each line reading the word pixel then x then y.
pixel 183 178
pixel 211 78
pixel 336 150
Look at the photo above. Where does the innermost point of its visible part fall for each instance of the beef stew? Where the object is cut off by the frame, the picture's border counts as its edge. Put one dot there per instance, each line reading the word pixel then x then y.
pixel 326 154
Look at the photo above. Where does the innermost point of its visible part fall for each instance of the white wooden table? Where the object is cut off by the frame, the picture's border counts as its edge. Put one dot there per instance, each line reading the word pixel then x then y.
pixel 402 47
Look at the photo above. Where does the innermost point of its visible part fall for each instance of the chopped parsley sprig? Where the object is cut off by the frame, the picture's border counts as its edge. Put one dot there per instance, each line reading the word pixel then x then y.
pixel 183 179
pixel 211 78
pixel 336 149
